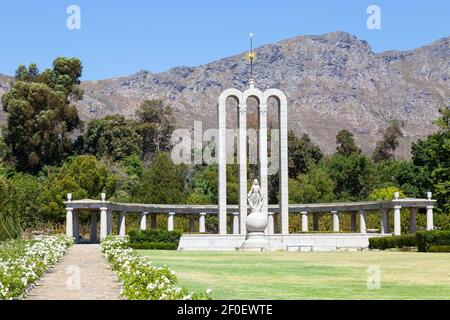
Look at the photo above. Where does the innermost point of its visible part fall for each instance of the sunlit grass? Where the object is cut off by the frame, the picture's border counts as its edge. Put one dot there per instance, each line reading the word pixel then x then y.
pixel 291 275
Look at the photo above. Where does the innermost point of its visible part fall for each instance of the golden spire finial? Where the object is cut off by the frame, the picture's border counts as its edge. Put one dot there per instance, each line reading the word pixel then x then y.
pixel 251 55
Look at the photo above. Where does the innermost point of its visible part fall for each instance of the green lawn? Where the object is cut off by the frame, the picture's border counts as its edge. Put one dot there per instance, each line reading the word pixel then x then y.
pixel 294 275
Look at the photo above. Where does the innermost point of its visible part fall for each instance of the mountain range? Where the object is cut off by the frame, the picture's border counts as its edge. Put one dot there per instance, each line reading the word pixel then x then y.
pixel 333 81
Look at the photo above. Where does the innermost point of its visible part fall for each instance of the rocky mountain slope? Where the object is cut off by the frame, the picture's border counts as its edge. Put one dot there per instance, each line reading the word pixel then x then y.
pixel 333 81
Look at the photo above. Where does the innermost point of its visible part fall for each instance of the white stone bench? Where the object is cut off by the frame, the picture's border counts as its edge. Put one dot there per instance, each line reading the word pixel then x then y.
pixel 299 247
pixel 348 248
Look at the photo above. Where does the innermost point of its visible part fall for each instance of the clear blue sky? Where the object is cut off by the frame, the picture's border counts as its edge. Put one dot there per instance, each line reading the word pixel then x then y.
pixel 122 37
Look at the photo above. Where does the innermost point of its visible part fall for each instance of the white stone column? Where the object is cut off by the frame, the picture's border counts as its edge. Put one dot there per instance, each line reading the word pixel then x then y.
pixel 430 225
pixel 93 228
pixel 283 151
pixel 170 224
pixel 242 160
pixel 262 150
pixel 76 226
pixel 270 223
pixel 143 224
pixel 153 221
pixel 335 221
pixel 353 221
pixel 236 222
pixel 283 174
pixel 103 222
pixel 362 221
pixel 304 221
pixel 397 223
pixel 222 156
pixel 122 224
pixel 69 223
pixel 383 221
pixel 202 222
pixel 412 220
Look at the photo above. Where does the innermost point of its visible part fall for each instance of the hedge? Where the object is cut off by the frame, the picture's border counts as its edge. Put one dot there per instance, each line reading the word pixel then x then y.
pixel 153 246
pixel 428 239
pixel 154 239
pixel 389 242
pixel 439 249
pixel 139 236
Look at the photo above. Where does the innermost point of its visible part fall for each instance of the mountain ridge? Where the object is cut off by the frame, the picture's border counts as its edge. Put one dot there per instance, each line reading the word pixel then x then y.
pixel 333 81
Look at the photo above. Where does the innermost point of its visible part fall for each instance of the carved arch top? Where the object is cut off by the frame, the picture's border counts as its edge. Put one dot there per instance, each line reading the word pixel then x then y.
pixel 232 92
pixel 277 94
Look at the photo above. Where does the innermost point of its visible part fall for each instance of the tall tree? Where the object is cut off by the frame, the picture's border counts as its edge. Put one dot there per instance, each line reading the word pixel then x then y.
pixel 163 182
pixel 112 137
pixel 302 152
pixel 314 186
pixel 352 175
pixel 386 147
pixel 346 143
pixel 433 155
pixel 40 115
pixel 155 125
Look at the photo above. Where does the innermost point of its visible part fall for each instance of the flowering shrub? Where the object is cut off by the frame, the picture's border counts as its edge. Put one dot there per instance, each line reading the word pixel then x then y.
pixel 23 263
pixel 140 279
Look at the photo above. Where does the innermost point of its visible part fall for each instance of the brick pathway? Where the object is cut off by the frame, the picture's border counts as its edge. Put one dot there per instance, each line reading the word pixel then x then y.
pixel 96 281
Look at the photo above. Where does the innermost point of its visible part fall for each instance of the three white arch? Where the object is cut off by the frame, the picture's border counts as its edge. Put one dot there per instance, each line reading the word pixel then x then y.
pixel 262 98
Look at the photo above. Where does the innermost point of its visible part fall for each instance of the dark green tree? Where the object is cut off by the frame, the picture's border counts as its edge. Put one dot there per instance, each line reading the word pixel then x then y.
pixel 433 156
pixel 301 153
pixel 155 125
pixel 385 148
pixel 314 186
pixel 403 174
pixel 352 176
pixel 162 182
pixel 27 193
pixel 111 137
pixel 40 116
pixel 346 143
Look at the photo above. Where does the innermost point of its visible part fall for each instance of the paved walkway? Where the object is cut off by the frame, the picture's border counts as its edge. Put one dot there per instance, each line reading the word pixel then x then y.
pixel 82 274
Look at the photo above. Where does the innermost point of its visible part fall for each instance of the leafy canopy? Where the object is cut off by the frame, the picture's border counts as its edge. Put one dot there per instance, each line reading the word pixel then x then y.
pixel 40 116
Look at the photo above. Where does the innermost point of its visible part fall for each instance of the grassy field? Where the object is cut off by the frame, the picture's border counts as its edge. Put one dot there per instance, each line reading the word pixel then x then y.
pixel 293 275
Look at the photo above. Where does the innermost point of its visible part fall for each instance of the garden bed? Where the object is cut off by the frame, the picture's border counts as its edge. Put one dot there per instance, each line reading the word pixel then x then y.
pixel 23 263
pixel 140 279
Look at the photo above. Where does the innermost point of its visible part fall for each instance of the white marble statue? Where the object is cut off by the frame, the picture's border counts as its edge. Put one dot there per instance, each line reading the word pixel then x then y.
pixel 256 221
pixel 255 198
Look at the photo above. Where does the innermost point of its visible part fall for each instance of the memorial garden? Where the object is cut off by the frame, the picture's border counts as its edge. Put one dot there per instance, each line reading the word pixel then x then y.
pixel 114 181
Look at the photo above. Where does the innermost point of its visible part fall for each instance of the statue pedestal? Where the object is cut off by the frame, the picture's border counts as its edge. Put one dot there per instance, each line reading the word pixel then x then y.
pixel 255 242
pixel 256 238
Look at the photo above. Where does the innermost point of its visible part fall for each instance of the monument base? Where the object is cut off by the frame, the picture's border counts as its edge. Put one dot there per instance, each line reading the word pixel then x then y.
pixel 256 241
pixel 290 242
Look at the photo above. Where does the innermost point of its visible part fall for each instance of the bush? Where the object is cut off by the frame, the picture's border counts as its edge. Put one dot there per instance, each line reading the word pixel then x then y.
pixel 389 242
pixel 9 218
pixel 154 236
pixel 439 249
pixel 427 239
pixel 153 246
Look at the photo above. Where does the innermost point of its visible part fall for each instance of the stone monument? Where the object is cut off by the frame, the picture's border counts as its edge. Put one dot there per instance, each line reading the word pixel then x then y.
pixel 262 99
pixel 256 221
